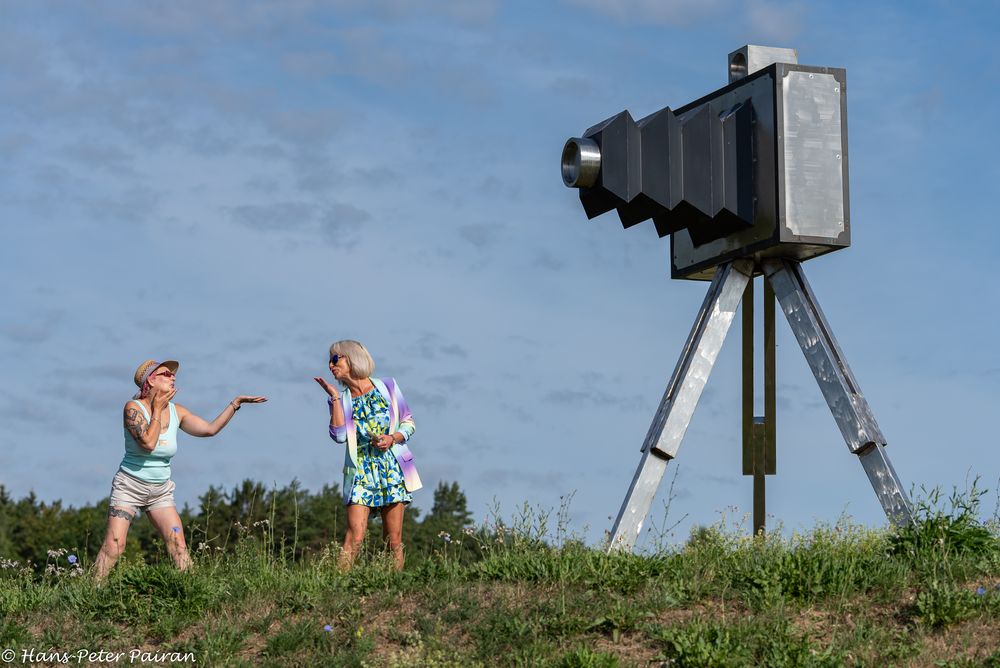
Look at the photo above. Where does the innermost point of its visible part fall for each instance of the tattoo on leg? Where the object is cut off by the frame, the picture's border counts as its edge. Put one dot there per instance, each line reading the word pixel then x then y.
pixel 118 512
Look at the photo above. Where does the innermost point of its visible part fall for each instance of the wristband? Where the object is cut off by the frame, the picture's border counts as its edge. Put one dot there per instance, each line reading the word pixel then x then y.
pixel 234 405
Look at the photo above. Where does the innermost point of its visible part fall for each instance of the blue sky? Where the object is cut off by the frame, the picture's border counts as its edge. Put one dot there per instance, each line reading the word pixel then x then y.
pixel 238 184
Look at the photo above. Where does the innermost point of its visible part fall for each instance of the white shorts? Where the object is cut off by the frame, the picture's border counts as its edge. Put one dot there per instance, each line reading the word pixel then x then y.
pixel 129 492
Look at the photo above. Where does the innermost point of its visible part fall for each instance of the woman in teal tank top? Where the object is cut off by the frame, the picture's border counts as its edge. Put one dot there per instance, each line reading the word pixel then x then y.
pixel 151 421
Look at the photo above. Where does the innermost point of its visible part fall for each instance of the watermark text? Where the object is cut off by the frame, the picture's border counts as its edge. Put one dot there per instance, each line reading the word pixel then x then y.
pixel 86 656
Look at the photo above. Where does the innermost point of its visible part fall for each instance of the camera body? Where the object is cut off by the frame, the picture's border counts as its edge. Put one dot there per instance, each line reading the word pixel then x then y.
pixel 755 169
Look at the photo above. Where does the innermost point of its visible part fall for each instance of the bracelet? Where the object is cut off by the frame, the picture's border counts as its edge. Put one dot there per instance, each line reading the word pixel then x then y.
pixel 235 407
pixel 154 418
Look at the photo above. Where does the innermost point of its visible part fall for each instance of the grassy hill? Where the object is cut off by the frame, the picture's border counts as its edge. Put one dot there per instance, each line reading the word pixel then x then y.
pixel 501 595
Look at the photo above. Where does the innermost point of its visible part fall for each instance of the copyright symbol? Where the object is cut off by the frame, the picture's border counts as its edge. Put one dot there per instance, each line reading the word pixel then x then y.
pixel 8 655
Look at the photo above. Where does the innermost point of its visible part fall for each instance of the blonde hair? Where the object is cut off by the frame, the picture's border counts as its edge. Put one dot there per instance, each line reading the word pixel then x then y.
pixel 358 358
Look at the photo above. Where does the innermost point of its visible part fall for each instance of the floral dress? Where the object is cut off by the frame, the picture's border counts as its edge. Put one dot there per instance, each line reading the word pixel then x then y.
pixel 379 481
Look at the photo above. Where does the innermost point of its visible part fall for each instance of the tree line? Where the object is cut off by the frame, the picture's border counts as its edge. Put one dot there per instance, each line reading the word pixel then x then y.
pixel 292 520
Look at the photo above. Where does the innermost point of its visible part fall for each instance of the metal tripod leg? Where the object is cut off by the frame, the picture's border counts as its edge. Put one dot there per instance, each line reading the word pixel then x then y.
pixel 840 389
pixel 679 401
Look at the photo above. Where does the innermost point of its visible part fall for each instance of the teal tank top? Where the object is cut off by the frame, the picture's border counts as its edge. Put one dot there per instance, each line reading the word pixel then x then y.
pixel 152 467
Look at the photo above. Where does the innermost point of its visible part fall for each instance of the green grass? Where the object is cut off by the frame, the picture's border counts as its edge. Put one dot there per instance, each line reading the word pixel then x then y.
pixel 502 595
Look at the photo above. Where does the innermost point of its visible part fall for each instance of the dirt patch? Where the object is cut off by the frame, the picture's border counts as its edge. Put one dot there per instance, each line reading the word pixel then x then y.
pixel 631 648
pixel 974 640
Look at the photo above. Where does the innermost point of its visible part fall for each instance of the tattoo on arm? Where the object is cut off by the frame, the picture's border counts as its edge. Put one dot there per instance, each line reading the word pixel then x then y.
pixel 135 423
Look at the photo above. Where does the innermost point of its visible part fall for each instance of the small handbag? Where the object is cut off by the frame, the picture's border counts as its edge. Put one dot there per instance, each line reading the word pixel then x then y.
pixel 405 459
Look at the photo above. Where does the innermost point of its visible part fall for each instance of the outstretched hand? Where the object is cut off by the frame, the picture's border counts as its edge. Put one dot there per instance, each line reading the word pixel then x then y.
pixel 246 399
pixel 325 384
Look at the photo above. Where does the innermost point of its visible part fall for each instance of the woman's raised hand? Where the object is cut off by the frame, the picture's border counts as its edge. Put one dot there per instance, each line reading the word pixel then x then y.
pixel 247 399
pixel 330 389
pixel 159 399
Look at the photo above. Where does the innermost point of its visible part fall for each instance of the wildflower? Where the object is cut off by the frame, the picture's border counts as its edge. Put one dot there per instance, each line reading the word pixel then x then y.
pixel 177 529
pixel 445 536
pixel 55 554
pixel 71 558
pixel 469 531
pixel 981 591
pixel 328 628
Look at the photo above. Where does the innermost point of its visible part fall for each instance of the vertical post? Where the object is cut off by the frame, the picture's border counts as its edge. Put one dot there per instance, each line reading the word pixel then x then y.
pixel 759 434
pixel 748 379
pixel 759 471
pixel 770 412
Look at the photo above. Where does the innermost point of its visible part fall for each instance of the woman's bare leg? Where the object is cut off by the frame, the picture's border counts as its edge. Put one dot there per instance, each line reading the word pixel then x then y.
pixel 357 524
pixel 168 523
pixel 119 520
pixel 392 531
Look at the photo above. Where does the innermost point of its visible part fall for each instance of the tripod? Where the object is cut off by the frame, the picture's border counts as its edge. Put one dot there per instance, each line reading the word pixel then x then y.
pixel 850 409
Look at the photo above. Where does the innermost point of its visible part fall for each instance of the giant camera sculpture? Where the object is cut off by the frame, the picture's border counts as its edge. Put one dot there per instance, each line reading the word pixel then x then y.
pixel 748 180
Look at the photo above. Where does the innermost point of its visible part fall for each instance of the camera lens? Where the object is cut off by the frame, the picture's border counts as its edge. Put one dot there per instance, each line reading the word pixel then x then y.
pixel 581 162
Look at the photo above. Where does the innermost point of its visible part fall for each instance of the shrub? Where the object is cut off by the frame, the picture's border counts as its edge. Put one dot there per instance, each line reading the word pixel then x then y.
pixel 939 531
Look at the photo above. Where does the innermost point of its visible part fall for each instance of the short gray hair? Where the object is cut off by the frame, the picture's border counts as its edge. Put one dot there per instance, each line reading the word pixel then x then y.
pixel 358 358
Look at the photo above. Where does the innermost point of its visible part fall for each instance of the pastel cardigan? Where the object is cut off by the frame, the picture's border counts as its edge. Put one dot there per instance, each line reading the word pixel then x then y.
pixel 400 419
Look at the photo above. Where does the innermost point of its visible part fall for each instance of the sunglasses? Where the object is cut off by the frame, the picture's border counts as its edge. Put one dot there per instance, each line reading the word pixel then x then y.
pixel 165 373
pixel 336 358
